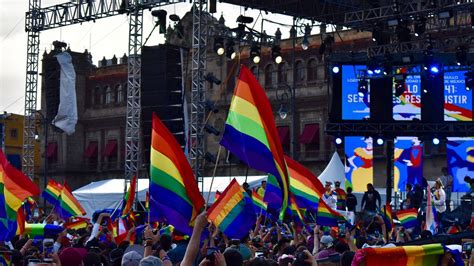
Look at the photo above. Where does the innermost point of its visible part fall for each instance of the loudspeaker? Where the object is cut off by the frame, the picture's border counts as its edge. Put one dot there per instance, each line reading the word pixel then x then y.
pixel 432 98
pixel 381 100
pixel 51 74
pixel 161 92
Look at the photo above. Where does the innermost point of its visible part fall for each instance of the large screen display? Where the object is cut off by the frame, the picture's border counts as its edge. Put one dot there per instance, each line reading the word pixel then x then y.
pixel 460 156
pixel 354 105
pixel 359 154
pixel 457 100
pixel 408 162
pixel 408 105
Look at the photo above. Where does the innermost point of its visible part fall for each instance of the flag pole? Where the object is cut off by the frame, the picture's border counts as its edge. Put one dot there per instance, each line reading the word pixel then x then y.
pixel 213 175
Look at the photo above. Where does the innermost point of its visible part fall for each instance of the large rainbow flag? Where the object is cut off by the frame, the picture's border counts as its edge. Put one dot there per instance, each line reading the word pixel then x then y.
pixel 233 212
pixel 174 194
pixel 250 133
pixel 68 204
pixel 423 255
pixel 15 187
pixel 52 192
pixel 327 216
pixel 408 218
pixel 304 185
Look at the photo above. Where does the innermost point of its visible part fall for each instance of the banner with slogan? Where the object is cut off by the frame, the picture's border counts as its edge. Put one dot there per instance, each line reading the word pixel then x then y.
pixel 457 100
pixel 354 106
pixel 408 162
pixel 460 156
pixel 359 162
pixel 408 105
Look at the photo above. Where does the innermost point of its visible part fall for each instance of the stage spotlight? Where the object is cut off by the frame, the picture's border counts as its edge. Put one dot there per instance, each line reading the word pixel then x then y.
pixel 419 26
pixel 276 54
pixel 338 140
pixel 229 50
pixel 219 45
pixel 436 141
pixel 255 53
pixel 244 19
pixel 469 80
pixel 461 55
pixel 335 69
pixel 380 141
pixel 377 71
pixel 160 16
pixel 377 33
pixel 305 43
pixel 363 87
pixel 434 69
pixel 370 72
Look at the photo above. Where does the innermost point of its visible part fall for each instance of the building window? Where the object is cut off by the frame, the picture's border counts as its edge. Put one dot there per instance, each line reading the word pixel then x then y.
pixel 97 97
pixel 110 153
pixel 92 154
pixel 269 76
pixel 120 92
pixel 282 73
pixel 312 68
pixel 310 139
pixel 109 95
pixel 300 75
pixel 14 133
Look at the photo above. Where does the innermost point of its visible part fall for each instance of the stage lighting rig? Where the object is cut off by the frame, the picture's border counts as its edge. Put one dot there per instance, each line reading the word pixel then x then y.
pixel 160 16
pixel 230 50
pixel 336 69
pixel 307 32
pixel 219 45
pixel 244 19
pixel 461 55
pixel 255 53
pixel 276 54
pixel 419 26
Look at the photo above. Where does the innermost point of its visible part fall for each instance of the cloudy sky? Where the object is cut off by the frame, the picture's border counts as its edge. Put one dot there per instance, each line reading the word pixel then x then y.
pixel 106 37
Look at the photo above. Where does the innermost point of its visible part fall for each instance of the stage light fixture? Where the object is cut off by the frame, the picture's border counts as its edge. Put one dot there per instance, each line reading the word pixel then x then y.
pixel 244 19
pixel 363 87
pixel 377 71
pixel 436 141
pixel 434 69
pixel 370 72
pixel 229 50
pixel 338 140
pixel 335 69
pixel 255 53
pixel 380 141
pixel 219 45
pixel 160 19
pixel 461 55
pixel 212 130
pixel 211 106
pixel 419 26
pixel 307 32
pixel 276 54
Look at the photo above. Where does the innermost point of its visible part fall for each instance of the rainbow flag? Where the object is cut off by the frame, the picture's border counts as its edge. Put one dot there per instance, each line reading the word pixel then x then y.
pixel 39 231
pixel 408 218
pixel 327 216
pixel 250 133
pixel 424 255
pixel 341 199
pixel 129 197
pixel 15 187
pixel 174 194
pixel 78 223
pixel 233 213
pixel 453 229
pixel 304 185
pixel 147 202
pixel 168 230
pixel 296 212
pixel 258 202
pixel 387 216
pixel 52 192
pixel 68 204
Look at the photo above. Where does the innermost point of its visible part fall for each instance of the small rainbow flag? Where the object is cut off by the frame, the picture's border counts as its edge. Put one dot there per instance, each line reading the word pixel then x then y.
pixel 233 213
pixel 174 193
pixel 52 192
pixel 341 199
pixel 296 211
pixel 258 202
pixel 78 223
pixel 129 197
pixel 68 204
pixel 408 218
pixel 251 135
pixel 327 216
pixel 304 185
pixel 387 216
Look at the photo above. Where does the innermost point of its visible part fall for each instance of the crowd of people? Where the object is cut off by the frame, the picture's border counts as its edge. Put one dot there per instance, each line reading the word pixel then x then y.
pixel 271 242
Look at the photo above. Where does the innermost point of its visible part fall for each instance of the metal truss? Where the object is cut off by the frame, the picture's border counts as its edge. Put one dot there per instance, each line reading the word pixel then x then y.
pixel 31 87
pixel 444 44
pixel 446 129
pixel 82 11
pixel 198 92
pixel 367 17
pixel 132 130
pixel 39 19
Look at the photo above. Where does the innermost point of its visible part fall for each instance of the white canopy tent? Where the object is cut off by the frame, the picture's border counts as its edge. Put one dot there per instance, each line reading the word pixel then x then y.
pixel 109 193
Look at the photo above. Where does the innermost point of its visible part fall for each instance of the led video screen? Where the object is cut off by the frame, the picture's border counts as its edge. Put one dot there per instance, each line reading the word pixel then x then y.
pixel 355 104
pixel 407 106
pixel 457 100
pixel 359 166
